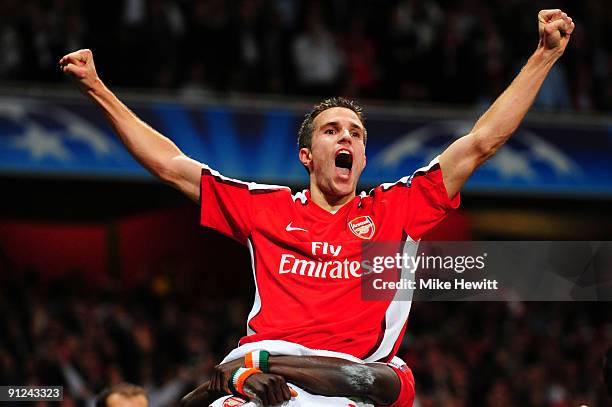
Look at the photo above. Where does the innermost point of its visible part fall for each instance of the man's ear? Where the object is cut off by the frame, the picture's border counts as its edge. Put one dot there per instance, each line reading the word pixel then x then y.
pixel 305 157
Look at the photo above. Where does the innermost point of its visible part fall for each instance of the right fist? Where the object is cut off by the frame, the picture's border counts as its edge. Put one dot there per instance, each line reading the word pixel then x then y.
pixel 80 66
pixel 268 389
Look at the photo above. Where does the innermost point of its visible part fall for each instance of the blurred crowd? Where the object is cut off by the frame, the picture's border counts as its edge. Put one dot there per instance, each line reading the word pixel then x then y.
pixel 68 332
pixel 417 51
pixel 72 333
pixel 508 354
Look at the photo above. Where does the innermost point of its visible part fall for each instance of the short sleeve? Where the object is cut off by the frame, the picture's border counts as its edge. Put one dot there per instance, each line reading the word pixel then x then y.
pixel 229 206
pixel 422 199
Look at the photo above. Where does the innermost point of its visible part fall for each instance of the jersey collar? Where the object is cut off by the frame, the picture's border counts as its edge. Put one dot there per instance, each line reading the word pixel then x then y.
pixel 316 209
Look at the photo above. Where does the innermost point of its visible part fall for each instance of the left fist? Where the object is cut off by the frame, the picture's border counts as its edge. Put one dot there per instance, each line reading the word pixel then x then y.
pixel 555 28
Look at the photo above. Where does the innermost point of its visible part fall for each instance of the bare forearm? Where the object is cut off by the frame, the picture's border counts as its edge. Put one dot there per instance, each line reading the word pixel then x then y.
pixel 335 377
pixel 146 145
pixel 496 125
pixel 494 128
pixel 501 120
pixel 312 374
pixel 156 153
pixel 200 397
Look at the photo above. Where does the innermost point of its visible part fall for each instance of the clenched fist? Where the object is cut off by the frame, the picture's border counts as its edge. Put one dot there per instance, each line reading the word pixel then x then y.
pixel 555 28
pixel 80 66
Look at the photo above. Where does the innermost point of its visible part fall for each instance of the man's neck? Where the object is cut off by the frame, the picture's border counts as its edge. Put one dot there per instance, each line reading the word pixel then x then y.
pixel 330 203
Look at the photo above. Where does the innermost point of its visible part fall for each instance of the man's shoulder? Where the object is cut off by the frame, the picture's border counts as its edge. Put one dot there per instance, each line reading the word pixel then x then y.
pixel 385 190
pixel 279 199
pixel 430 171
pixel 252 186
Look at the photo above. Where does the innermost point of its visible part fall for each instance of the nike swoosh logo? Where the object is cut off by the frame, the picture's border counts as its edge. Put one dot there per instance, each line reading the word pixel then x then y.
pixel 290 228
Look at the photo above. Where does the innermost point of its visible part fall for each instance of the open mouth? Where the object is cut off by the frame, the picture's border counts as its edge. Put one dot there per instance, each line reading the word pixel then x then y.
pixel 344 162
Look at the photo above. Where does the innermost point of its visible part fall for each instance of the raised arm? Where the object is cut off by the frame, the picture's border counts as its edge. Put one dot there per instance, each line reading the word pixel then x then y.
pixel 495 127
pixel 157 153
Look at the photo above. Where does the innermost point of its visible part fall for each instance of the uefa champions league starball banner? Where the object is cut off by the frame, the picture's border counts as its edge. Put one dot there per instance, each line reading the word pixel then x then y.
pixel 69 137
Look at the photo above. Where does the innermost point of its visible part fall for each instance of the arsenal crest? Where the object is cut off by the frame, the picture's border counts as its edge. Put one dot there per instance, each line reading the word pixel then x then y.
pixel 233 402
pixel 362 227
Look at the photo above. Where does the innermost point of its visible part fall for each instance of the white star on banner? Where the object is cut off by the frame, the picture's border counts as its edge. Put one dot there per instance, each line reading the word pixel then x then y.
pixel 41 143
pixel 510 163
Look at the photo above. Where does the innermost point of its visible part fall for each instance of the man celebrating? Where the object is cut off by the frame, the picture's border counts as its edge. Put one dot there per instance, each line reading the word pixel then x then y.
pixel 306 247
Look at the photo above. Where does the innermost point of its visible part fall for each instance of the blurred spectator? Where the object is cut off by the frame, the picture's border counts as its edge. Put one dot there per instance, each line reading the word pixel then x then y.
pixel 407 47
pixel 317 58
pixel 196 86
pixel 554 94
pixel 491 50
pixel 165 24
pixel 123 395
pixel 456 64
pixel 361 61
pixel 249 32
pixel 11 47
pixel 209 40
pixel 462 52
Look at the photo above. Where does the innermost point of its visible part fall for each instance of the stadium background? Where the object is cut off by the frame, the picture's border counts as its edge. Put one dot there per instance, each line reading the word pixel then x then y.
pixel 105 275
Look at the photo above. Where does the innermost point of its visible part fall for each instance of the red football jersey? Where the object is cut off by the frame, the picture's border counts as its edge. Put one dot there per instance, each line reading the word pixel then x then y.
pixel 305 259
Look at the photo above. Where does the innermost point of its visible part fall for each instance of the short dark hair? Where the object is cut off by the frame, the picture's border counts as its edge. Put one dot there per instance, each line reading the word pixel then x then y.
pixel 306 128
pixel 123 389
